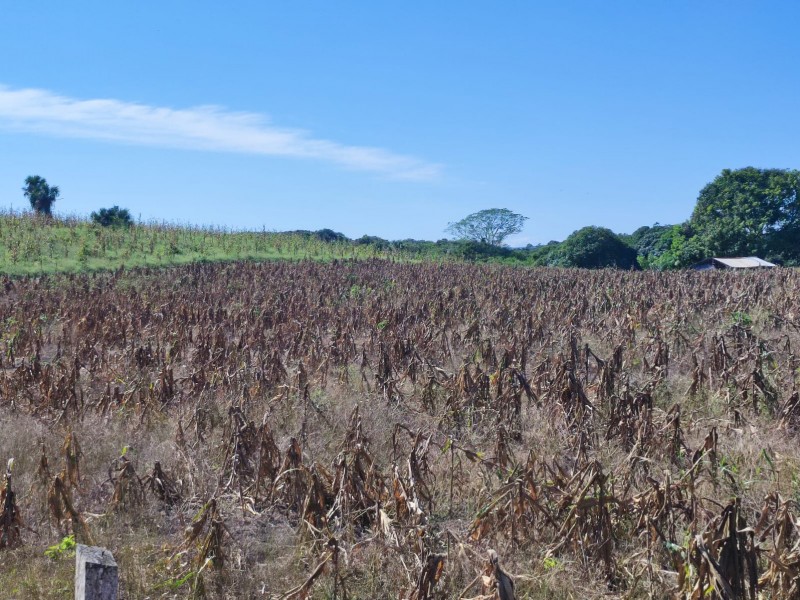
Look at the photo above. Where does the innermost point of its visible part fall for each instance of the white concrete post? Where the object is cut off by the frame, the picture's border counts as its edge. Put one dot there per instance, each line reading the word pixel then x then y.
pixel 96 576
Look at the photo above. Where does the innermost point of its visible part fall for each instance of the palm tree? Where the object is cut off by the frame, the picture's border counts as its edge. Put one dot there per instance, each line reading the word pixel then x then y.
pixel 41 195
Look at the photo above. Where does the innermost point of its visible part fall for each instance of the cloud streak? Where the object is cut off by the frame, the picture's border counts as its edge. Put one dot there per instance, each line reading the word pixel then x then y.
pixel 210 128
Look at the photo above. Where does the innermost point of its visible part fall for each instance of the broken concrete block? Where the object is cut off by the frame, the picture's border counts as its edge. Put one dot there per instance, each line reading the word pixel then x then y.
pixel 96 576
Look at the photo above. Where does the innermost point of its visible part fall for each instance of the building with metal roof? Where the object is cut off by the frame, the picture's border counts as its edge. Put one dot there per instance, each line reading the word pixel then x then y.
pixel 744 262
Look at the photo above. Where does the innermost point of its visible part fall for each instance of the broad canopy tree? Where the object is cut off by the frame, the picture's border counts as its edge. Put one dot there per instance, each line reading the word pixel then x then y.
pixel 594 248
pixel 490 226
pixel 750 211
pixel 41 195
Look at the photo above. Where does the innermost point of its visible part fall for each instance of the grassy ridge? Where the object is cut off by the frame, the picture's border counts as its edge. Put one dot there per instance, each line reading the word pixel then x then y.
pixel 31 245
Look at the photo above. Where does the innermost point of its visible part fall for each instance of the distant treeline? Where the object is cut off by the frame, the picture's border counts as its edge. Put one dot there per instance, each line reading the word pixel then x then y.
pixel 742 212
pixel 746 212
pixel 591 247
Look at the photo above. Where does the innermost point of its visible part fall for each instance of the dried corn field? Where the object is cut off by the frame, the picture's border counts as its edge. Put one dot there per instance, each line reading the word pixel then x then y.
pixel 379 430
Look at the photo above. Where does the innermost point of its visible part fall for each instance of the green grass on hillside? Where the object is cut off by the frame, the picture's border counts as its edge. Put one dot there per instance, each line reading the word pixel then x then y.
pixel 31 245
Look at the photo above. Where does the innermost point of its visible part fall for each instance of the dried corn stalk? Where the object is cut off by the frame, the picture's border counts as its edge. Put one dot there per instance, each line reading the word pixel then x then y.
pixel 11 519
pixel 163 486
pixel 431 573
pixel 64 513
pixel 72 458
pixel 128 488
pixel 303 591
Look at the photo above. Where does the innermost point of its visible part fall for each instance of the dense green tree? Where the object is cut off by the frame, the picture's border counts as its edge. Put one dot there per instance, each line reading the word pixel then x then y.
pixel 594 248
pixel 750 212
pixel 112 217
pixel 490 226
pixel 372 240
pixel 649 242
pixel 682 248
pixel 665 246
pixel 481 251
pixel 41 196
pixel 544 255
pixel 325 235
pixel 329 235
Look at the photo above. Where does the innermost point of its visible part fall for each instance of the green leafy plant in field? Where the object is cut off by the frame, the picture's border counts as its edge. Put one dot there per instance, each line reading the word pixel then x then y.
pixel 551 563
pixel 65 548
pixel 176 582
pixel 741 318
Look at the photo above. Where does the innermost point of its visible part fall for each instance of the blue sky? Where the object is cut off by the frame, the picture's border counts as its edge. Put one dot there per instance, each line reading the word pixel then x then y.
pixel 393 119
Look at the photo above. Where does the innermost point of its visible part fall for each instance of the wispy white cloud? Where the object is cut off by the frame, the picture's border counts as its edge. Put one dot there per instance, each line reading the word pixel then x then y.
pixel 210 128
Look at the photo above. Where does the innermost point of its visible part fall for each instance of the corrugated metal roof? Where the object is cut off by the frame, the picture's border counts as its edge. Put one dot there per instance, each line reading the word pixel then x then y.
pixel 745 262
